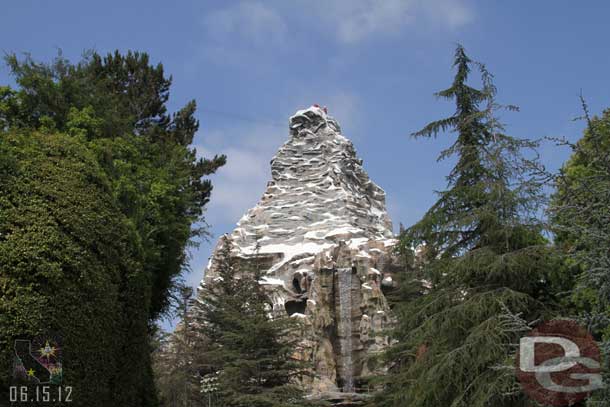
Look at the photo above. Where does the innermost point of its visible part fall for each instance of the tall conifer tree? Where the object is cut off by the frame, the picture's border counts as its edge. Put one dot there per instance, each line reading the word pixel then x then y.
pixel 251 352
pixel 485 263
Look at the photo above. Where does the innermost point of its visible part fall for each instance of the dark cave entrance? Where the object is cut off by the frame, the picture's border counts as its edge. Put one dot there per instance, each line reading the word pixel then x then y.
pixel 295 307
pixel 296 284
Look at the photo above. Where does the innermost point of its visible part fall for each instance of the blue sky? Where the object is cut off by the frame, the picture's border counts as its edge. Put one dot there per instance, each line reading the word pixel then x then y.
pixel 374 63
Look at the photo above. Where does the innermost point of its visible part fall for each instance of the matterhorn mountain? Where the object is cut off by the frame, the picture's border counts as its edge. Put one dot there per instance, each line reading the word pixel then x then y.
pixel 322 233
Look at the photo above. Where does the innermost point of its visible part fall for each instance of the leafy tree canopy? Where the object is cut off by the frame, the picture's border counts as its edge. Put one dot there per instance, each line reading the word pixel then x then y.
pixel 581 219
pixel 71 265
pixel 100 198
pixel 118 105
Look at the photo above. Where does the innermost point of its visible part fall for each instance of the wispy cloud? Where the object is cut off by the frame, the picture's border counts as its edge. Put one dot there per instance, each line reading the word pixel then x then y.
pixel 252 21
pixel 356 20
pixel 244 35
pixel 240 185
pixel 241 182
pixel 452 13
pixel 349 21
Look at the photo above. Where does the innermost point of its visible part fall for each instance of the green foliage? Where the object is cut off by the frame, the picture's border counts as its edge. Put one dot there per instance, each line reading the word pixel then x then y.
pixel 71 264
pixel 582 223
pixel 252 353
pixel 477 261
pixel 474 211
pixel 179 359
pixel 83 123
pixel 8 106
pixel 117 103
pixel 122 165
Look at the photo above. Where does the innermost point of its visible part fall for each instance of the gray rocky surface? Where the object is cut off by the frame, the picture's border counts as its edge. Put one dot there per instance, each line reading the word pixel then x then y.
pixel 321 215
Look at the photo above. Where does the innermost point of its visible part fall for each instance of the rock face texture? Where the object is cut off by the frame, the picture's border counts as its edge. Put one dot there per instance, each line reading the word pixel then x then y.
pixel 323 235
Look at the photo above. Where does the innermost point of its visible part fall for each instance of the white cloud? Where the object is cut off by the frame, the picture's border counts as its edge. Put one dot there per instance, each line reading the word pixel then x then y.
pixel 263 33
pixel 246 165
pixel 356 20
pixel 251 21
pixel 454 13
pixel 240 183
pixel 244 35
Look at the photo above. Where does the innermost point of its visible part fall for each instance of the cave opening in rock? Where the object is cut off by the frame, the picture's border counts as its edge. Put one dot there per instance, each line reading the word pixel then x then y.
pixel 296 284
pixel 295 307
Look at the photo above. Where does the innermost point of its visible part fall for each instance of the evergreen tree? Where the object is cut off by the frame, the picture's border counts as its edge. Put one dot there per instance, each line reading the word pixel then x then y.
pixel 582 224
pixel 71 264
pixel 251 353
pixel 114 109
pixel 484 264
pixel 118 104
pixel 178 356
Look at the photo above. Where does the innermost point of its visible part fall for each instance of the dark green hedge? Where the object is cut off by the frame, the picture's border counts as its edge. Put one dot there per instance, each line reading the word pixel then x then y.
pixel 71 262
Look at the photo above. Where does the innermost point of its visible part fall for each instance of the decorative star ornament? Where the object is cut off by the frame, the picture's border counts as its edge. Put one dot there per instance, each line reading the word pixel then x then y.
pixel 47 351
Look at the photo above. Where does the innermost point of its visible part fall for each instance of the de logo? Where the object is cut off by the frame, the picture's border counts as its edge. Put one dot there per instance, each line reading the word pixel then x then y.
pixel 558 363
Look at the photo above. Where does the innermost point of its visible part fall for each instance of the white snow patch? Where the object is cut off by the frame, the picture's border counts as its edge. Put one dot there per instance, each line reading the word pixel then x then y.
pixel 364 254
pixel 313 235
pixel 289 251
pixel 318 111
pixel 303 260
pixel 389 242
pixel 271 281
pixel 357 242
pixel 377 212
pixel 343 230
